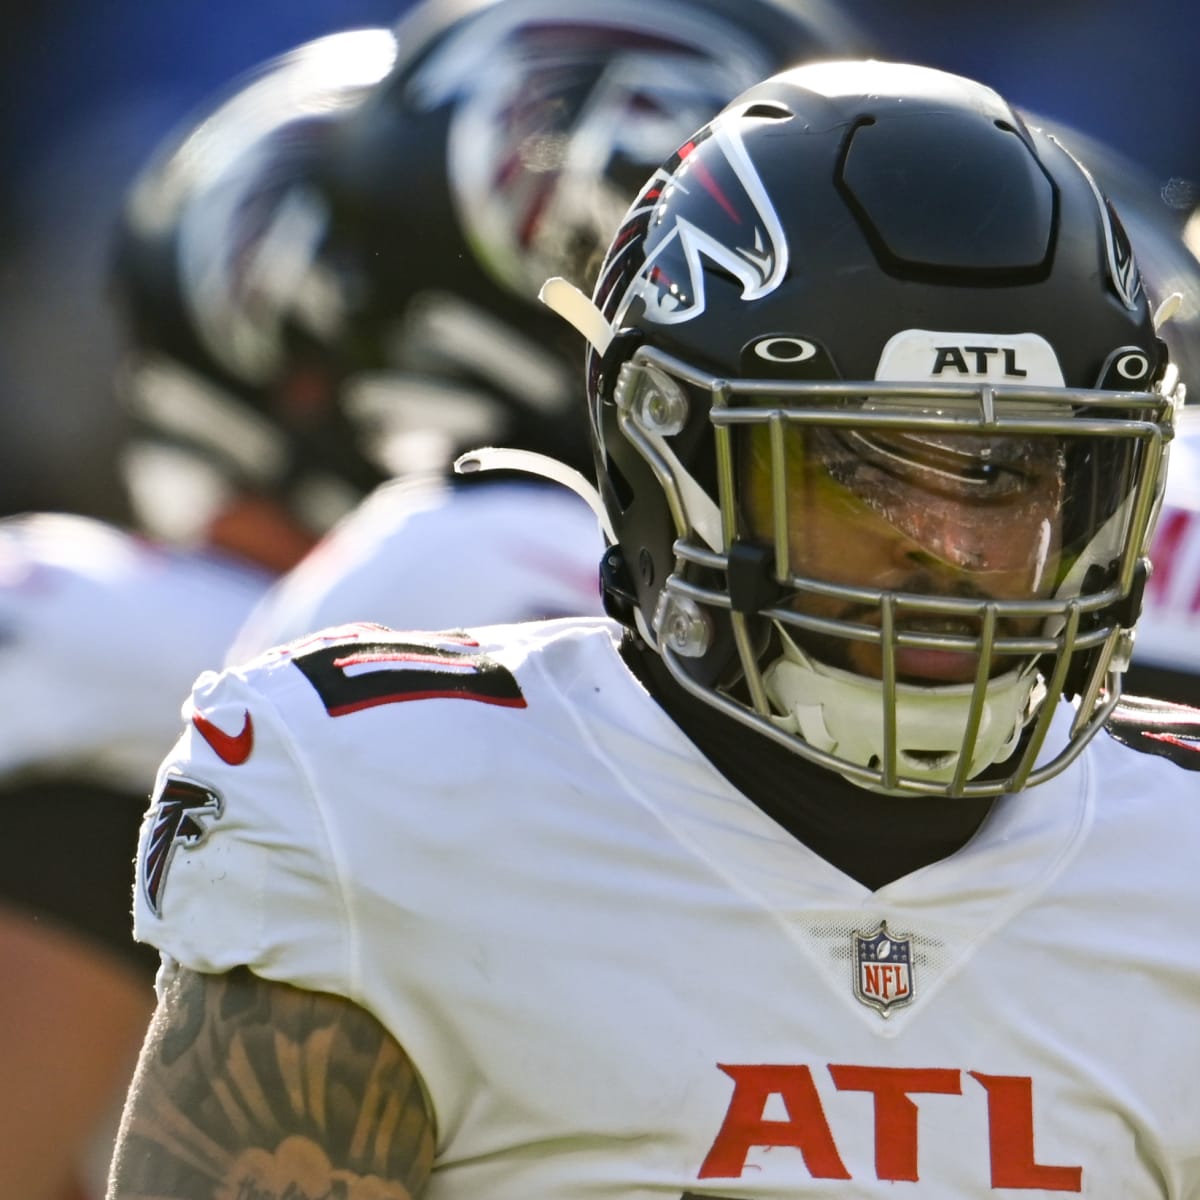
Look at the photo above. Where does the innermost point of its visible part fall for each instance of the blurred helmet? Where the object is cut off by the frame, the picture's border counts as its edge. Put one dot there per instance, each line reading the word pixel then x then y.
pixel 505 147
pixel 880 415
pixel 228 383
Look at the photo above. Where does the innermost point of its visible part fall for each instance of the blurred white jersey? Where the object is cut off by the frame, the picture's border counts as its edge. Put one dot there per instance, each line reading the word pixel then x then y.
pixel 102 635
pixel 425 555
pixel 1168 633
pixel 618 978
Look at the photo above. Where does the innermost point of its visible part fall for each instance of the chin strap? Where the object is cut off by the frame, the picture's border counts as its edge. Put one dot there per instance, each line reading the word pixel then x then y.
pixel 1167 309
pixel 563 297
pixel 499 458
pixel 842 713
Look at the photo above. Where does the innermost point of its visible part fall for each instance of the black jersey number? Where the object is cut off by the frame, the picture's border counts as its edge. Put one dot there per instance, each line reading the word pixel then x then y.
pixel 352 676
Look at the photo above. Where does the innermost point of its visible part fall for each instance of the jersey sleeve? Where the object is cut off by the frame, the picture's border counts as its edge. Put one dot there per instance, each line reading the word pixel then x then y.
pixel 235 863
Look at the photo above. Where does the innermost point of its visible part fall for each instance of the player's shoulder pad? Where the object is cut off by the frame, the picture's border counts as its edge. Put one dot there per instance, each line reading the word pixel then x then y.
pixel 365 665
pixel 1158 727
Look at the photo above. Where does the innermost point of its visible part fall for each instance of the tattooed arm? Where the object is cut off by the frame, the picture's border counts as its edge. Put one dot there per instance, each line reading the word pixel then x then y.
pixel 250 1090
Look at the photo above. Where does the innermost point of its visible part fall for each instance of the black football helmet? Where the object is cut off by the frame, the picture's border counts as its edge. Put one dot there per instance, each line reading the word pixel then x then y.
pixel 505 147
pixel 227 313
pixel 880 417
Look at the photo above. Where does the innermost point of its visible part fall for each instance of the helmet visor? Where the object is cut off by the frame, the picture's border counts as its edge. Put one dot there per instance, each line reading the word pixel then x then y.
pixel 950 522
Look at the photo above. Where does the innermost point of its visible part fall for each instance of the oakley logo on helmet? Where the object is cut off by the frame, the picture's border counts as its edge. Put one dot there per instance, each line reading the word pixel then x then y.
pixel 785 356
pixel 1127 367
pixel 1134 366
pixel 731 222
pixel 785 349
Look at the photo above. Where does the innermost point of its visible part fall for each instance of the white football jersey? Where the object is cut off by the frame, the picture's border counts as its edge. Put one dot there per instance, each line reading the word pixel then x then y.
pixel 102 635
pixel 1168 632
pixel 620 979
pixel 425 555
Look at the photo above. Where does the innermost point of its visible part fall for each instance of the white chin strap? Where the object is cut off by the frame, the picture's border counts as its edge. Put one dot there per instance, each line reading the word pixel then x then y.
pixel 841 713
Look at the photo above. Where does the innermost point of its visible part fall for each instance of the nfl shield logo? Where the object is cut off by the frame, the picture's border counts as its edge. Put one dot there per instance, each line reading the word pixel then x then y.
pixel 883 974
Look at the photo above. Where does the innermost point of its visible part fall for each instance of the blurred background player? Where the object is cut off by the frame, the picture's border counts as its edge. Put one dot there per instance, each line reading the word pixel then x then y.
pixel 102 630
pixel 234 430
pixel 504 149
pixel 90 90
pixel 271 381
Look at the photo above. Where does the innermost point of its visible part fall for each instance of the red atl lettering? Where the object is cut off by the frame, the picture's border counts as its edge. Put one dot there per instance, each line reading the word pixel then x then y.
pixel 1009 1112
pixel 895 1113
pixel 1010 1138
pixel 744 1126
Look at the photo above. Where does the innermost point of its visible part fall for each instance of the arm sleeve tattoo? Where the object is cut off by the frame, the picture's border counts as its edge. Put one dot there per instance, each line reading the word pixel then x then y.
pixel 250 1090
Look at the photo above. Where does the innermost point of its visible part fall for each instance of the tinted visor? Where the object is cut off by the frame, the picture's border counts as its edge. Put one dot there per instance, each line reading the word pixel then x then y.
pixel 903 501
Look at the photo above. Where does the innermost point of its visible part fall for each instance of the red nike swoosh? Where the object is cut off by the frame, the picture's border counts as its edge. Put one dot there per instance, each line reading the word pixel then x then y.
pixel 231 748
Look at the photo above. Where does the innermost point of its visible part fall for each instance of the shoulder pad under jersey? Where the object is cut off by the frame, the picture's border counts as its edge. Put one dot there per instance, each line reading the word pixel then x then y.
pixel 1158 727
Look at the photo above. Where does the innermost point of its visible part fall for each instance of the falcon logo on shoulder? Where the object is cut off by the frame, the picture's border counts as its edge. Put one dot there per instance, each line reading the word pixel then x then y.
pixel 183 813
pixel 730 221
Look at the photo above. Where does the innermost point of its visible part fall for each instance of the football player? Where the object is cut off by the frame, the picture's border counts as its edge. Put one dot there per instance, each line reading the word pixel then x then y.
pixel 789 878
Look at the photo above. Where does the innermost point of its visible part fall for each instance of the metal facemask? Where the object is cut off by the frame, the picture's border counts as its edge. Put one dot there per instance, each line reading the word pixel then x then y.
pixel 899 580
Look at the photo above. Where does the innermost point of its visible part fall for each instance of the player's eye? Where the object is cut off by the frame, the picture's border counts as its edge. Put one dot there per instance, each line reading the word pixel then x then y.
pixel 957 466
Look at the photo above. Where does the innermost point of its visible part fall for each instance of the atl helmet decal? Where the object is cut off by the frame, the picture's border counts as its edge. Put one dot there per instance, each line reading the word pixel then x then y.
pixel 1122 266
pixel 178 814
pixel 741 232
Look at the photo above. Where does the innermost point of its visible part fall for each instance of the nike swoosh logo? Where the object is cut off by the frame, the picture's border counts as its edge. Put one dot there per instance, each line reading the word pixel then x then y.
pixel 231 748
